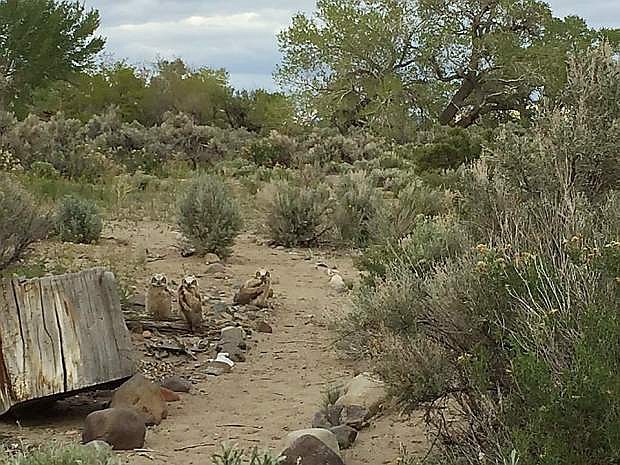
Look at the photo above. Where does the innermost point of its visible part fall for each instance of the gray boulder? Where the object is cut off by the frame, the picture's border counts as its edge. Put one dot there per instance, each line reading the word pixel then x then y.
pixel 308 450
pixel 121 428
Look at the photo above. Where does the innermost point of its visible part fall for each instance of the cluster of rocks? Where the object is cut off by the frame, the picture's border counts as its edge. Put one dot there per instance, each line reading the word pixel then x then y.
pixel 138 403
pixel 336 426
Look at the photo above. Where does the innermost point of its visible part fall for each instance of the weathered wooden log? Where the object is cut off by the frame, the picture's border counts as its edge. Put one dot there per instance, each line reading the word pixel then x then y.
pixel 61 334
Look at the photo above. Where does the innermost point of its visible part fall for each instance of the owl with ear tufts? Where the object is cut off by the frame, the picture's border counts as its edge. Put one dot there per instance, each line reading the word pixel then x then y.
pixel 190 302
pixel 256 290
pixel 159 298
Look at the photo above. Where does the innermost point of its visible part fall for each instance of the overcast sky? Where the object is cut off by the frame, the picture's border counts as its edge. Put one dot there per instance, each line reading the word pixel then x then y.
pixel 239 35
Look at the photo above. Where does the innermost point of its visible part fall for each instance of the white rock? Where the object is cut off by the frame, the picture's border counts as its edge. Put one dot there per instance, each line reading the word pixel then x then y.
pixel 337 283
pixel 364 391
pixel 234 334
pixel 222 357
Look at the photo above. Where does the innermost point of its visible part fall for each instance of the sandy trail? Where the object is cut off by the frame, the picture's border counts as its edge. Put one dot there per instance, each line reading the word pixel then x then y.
pixel 280 386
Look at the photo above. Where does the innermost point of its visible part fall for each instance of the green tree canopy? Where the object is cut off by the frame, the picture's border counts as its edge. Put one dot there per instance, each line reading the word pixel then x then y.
pixel 388 63
pixel 42 41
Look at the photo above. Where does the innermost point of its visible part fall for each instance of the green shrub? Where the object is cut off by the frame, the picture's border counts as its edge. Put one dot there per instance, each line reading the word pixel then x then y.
pixel 276 149
pixel 44 169
pixel 446 148
pixel 21 221
pixel 298 215
pixel 415 202
pixel 63 455
pixel 427 242
pixel 209 215
pixel 78 220
pixel 357 204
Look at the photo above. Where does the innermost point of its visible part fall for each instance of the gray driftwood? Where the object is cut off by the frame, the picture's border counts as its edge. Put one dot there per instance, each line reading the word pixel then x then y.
pixel 60 334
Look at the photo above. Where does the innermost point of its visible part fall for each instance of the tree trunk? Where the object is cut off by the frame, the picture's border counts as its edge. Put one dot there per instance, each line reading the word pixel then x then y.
pixel 457 102
pixel 61 334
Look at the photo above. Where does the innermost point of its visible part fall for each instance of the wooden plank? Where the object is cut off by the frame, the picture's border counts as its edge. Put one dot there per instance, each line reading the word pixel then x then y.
pixel 50 325
pixel 12 349
pixel 112 303
pixel 60 334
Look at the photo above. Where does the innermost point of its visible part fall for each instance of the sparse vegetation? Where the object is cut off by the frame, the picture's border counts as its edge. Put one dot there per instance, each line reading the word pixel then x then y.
pixel 21 221
pixel 233 455
pixel 484 221
pixel 209 215
pixel 78 220
pixel 57 454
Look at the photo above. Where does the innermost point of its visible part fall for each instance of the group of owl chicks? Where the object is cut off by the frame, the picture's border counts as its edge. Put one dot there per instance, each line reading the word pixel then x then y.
pixel 255 291
pixel 159 300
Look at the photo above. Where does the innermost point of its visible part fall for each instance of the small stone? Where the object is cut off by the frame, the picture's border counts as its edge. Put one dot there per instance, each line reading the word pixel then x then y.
pixel 233 350
pixel 216 268
pixel 355 416
pixel 211 258
pixel 263 327
pixel 232 334
pixel 346 435
pixel 169 396
pixel 322 434
pixel 147 334
pixel 365 392
pixel 320 420
pixel 176 384
pixel 187 252
pixel 337 283
pixel 309 450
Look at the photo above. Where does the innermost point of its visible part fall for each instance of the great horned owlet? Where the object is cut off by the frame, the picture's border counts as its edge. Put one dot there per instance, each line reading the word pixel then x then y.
pixel 190 302
pixel 159 298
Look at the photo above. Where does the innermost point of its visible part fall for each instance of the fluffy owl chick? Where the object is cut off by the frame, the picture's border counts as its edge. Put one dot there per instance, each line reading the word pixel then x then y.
pixel 158 298
pixel 255 291
pixel 190 302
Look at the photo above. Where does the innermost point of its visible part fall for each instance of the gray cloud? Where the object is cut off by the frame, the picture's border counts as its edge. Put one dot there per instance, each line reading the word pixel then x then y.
pixel 239 35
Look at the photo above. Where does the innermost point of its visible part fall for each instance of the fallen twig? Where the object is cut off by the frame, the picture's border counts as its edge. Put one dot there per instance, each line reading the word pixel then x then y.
pixel 195 446
pixel 237 425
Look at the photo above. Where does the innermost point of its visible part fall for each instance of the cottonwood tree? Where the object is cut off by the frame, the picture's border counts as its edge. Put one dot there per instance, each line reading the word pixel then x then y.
pixel 352 62
pixel 42 41
pixel 385 62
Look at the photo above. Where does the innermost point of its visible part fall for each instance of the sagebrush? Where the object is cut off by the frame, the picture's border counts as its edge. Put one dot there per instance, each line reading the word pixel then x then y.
pixel 209 215
pixel 21 222
pixel 298 215
pixel 78 220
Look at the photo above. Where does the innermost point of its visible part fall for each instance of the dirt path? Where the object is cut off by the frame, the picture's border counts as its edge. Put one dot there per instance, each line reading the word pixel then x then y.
pixel 280 386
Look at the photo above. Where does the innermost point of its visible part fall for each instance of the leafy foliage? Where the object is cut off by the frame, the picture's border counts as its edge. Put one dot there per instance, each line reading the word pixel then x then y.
pixel 519 335
pixel 43 41
pixel 377 63
pixel 232 455
pixel 358 203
